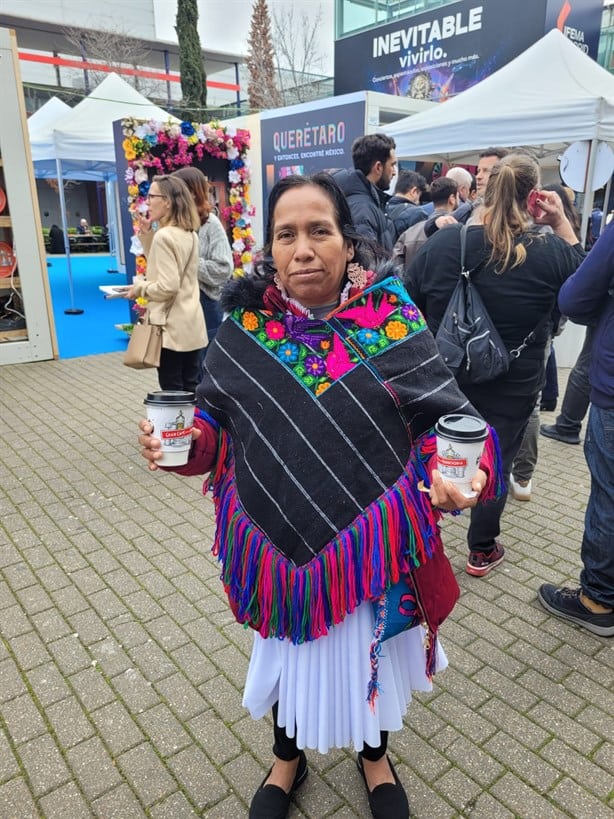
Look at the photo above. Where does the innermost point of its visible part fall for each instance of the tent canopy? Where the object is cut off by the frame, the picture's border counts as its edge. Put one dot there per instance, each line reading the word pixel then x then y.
pixel 82 137
pixel 548 97
pixel 87 132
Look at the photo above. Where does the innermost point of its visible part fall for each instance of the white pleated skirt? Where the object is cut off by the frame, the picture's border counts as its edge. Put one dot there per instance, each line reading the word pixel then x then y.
pixel 321 686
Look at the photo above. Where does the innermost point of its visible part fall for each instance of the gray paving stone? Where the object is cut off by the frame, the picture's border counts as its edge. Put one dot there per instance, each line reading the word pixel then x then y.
pixel 8 764
pixel 65 802
pixel 182 697
pixel 523 801
pixel 119 803
pixel 577 802
pixel 153 661
pixel 48 684
pixel 16 800
pixel 110 657
pixel 69 722
pixel 117 727
pixel 164 730
pixel 217 741
pixel 29 650
pixel 22 718
pixel 137 693
pixel 93 767
pixel 12 682
pixel 43 764
pixel 146 774
pixel 199 779
pixel 177 806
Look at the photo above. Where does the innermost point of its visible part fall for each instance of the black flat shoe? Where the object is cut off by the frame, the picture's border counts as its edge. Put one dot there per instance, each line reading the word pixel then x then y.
pixel 386 801
pixel 271 801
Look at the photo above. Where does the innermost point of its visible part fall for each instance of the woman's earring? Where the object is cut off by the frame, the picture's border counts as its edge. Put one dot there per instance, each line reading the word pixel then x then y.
pixel 357 275
pixel 277 281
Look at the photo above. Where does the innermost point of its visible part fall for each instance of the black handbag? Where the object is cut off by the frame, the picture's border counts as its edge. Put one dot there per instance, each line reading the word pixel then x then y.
pixel 467 339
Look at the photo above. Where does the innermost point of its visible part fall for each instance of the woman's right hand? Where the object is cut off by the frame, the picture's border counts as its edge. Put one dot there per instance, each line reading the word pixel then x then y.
pixel 143 223
pixel 152 446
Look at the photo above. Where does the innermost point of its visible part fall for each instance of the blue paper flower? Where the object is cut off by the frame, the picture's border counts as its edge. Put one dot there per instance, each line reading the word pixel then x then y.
pixel 187 129
pixel 144 187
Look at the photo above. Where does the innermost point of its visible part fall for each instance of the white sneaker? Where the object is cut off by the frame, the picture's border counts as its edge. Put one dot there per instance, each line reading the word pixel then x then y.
pixel 521 490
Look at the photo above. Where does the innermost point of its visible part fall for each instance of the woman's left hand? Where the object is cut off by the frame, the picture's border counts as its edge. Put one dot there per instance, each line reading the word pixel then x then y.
pixel 447 496
pixel 130 293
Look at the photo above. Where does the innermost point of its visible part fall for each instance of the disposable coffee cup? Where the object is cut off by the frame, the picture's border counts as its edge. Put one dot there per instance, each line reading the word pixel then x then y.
pixel 171 413
pixel 460 442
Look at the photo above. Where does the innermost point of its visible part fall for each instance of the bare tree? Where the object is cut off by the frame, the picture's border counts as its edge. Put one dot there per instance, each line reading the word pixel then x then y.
pixel 262 91
pixel 116 49
pixel 299 60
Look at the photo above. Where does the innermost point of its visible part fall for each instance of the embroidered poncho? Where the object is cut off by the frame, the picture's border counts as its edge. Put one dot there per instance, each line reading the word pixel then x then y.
pixel 325 432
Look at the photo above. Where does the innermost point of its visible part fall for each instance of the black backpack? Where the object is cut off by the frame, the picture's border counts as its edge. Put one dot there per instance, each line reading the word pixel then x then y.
pixel 467 339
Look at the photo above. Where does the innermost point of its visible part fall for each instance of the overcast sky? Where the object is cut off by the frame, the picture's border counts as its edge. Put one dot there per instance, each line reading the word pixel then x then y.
pixel 224 24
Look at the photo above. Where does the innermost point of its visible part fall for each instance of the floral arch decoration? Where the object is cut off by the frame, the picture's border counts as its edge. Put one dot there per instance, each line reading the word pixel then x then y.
pixel 165 147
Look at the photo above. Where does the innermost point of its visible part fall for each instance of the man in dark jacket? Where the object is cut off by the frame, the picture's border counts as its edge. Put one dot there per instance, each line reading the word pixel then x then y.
pixel 404 207
pixel 587 297
pixel 375 165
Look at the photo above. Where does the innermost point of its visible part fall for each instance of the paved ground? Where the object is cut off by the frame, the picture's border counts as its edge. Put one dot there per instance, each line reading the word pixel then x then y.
pixel 121 668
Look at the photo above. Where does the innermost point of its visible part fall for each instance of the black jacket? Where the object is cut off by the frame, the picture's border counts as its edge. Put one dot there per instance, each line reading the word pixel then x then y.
pixel 404 214
pixel 367 205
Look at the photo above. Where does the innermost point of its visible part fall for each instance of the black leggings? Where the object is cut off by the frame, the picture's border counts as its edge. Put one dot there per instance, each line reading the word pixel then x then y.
pixel 286 748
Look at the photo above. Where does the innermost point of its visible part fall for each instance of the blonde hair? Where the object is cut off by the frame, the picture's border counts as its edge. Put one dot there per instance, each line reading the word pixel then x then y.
pixel 506 217
pixel 183 212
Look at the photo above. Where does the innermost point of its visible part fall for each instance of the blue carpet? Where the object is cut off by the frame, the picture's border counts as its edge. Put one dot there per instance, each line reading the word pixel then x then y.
pixel 93 330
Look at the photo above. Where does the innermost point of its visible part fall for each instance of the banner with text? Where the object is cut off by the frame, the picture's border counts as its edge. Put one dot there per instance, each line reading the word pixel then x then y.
pixel 439 53
pixel 315 140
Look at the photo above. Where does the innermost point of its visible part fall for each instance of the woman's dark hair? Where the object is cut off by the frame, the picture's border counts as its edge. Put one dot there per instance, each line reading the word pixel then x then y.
pixel 570 212
pixel 341 209
pixel 198 184
pixel 506 217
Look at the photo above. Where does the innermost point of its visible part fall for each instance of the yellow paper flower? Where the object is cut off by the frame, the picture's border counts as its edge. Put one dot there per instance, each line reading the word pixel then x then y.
pixel 246 258
pixel 127 145
pixel 133 190
pixel 141 301
pixel 129 154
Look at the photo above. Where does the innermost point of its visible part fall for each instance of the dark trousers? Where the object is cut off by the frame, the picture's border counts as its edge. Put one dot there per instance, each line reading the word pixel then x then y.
pixel 577 393
pixel 485 524
pixel 550 392
pixel 213 319
pixel 179 370
pixel 286 748
pixel 597 576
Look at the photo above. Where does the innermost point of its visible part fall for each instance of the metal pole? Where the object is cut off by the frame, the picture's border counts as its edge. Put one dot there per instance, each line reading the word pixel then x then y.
pixel 587 204
pixel 72 310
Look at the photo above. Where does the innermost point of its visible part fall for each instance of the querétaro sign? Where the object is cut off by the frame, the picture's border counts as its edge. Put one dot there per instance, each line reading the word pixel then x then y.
pixel 437 54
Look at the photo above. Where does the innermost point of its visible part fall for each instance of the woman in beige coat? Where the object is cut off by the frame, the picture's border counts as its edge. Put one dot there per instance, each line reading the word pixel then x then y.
pixel 171 287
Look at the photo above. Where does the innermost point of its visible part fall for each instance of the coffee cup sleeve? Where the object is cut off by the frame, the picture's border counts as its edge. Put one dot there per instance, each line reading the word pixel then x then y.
pixel 203 452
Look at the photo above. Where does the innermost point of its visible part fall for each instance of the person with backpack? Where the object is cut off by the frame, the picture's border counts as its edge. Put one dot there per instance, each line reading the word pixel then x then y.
pixel 517 270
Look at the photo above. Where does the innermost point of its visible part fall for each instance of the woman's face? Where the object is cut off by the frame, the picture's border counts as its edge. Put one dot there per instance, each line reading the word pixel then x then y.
pixel 309 252
pixel 159 205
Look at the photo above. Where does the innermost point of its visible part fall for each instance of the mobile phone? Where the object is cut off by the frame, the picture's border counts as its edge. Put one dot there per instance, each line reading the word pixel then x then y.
pixel 534 209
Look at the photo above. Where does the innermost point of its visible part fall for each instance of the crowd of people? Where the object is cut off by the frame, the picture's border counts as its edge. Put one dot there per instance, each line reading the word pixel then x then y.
pixel 317 402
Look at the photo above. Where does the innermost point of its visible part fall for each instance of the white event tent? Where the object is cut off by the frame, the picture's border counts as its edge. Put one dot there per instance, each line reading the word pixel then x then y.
pixel 550 96
pixel 78 143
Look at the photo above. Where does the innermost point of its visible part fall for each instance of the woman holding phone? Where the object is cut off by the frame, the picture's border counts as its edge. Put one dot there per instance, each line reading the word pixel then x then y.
pixel 171 286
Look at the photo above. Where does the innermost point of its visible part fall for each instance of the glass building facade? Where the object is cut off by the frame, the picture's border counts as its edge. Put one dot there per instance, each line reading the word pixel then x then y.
pixel 357 15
